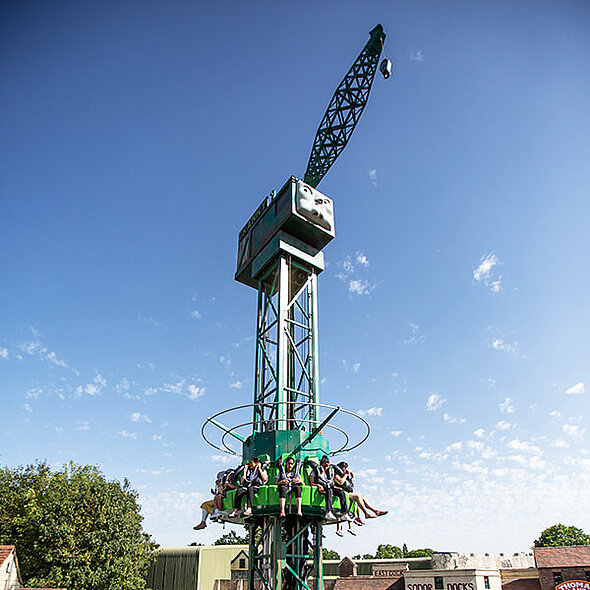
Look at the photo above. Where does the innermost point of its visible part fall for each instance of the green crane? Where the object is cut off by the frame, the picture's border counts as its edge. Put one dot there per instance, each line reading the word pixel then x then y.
pixel 280 255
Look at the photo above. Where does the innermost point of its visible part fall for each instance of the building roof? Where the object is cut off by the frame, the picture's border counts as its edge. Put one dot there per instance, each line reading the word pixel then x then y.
pixel 5 551
pixel 522 584
pixel 575 556
pixel 360 583
pixel 242 553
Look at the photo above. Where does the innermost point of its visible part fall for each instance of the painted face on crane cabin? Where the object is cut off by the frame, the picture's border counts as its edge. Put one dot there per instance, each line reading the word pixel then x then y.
pixel 314 206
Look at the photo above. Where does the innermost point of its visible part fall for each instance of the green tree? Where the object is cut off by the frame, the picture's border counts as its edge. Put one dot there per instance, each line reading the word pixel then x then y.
pixel 404 550
pixel 365 556
pixel 329 554
pixel 232 538
pixel 73 528
pixel 419 553
pixel 388 552
pixel 560 535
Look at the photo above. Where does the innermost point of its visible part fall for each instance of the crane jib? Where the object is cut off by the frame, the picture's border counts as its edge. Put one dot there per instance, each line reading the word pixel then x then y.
pixel 344 110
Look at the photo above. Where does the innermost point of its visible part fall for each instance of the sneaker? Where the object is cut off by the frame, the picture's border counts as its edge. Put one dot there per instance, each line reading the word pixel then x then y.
pixel 358 521
pixel 330 516
pixel 248 512
pixel 340 533
pixel 346 516
pixel 200 526
pixel 352 532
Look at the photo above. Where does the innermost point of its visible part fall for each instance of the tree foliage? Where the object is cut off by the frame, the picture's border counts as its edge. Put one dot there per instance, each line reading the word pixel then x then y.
pixel 329 554
pixel 560 535
pixel 419 553
pixel 232 538
pixel 73 528
pixel 388 552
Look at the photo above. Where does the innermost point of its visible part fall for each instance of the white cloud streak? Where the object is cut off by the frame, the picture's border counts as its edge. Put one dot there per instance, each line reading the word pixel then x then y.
pixel 434 402
pixel 374 411
pixel 486 272
pixel 576 389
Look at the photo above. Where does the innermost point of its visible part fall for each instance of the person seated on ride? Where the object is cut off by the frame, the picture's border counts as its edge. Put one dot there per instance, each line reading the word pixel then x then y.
pixel 288 480
pixel 253 476
pixel 344 478
pixel 213 507
pixel 322 478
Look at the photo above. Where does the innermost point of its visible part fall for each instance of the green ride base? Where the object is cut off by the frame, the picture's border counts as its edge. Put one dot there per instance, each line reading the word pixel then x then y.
pixel 280 443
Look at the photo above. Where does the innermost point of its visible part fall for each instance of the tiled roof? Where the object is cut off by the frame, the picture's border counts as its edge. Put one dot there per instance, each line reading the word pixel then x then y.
pixel 522 584
pixel 360 583
pixel 5 551
pixel 575 556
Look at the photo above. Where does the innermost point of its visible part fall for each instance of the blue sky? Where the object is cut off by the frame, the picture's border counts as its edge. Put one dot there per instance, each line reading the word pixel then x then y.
pixel 138 137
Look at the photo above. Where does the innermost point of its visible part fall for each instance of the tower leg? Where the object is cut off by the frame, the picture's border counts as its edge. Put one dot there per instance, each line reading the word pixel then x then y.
pixel 286 553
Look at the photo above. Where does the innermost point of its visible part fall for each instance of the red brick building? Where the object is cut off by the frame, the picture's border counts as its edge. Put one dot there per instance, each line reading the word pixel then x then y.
pixel 560 564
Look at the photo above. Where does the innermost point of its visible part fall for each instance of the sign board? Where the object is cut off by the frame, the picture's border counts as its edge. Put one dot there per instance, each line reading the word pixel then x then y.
pixel 573 585
pixel 385 570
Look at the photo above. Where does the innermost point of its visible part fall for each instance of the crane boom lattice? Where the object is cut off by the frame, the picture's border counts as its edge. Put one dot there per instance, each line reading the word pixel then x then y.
pixel 344 109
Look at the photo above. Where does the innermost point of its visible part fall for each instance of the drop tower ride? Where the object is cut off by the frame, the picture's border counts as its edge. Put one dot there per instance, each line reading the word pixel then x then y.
pixel 280 255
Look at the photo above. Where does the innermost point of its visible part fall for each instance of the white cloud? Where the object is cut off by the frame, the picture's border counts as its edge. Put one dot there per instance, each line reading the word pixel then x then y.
pixel 503 346
pixel 126 434
pixel 576 389
pixel 37 348
pixel 502 425
pixel 225 459
pixel 434 402
pixel 94 388
pixel 555 413
pixel 349 268
pixel 417 55
pixel 506 406
pixel 573 430
pixel 3 353
pixel 375 411
pixel 34 392
pixel 362 259
pixel 396 433
pixel 149 320
pixel 360 287
pixel 560 443
pixel 452 420
pixel 456 446
pixel 479 432
pixel 373 176
pixel 139 417
pixel 236 385
pixel 156 437
pixel 416 335
pixel 190 391
pixel 356 367
pixel 195 313
pixel 521 445
pixel 83 426
pixel 195 392
pixel 486 273
pixel 533 462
